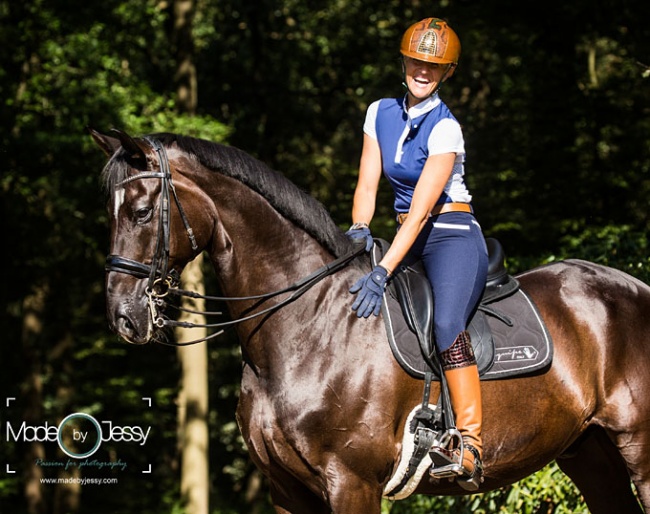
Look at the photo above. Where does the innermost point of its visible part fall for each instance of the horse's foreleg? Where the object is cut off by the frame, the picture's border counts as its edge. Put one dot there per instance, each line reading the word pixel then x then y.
pixel 290 496
pixel 599 472
pixel 349 494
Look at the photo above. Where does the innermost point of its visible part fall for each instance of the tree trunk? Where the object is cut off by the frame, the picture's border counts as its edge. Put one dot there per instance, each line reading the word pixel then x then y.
pixel 185 76
pixel 193 401
pixel 67 496
pixel 193 396
pixel 32 330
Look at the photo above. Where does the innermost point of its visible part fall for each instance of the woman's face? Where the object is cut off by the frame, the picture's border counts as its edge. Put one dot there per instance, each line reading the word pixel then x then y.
pixel 422 78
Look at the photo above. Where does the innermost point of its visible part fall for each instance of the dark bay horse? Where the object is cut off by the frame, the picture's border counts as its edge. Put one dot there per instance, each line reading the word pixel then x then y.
pixel 323 403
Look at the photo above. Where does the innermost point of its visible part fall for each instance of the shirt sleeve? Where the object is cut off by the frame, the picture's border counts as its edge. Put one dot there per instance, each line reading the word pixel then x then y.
pixel 446 137
pixel 369 126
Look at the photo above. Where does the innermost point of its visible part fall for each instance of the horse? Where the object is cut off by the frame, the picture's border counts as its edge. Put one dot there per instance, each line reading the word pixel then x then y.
pixel 323 403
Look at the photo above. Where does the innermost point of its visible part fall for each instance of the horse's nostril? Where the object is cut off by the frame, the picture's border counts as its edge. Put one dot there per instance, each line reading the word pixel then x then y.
pixel 128 325
pixel 125 326
pixel 128 330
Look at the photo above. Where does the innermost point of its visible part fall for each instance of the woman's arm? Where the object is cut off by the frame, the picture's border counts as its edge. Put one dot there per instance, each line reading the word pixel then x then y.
pixel 435 175
pixel 365 193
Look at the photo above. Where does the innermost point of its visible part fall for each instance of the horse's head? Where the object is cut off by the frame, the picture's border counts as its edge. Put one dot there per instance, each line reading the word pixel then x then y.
pixel 154 234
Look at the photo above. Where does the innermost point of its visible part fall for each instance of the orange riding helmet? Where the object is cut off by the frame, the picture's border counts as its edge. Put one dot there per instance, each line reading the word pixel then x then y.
pixel 432 40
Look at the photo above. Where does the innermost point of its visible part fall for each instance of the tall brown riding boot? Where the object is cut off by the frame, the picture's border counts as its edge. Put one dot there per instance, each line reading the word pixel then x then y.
pixel 461 372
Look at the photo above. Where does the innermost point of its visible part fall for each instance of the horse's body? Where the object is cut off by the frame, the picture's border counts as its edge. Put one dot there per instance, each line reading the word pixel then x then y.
pixel 323 402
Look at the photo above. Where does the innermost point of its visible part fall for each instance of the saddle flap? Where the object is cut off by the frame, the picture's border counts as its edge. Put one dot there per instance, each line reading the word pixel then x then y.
pixel 482 341
pixel 416 299
pixel 410 287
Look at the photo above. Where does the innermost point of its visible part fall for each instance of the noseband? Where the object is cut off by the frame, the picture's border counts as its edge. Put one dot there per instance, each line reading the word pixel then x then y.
pixel 163 281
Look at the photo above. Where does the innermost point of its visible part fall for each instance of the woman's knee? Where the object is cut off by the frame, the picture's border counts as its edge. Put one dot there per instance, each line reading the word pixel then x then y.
pixel 446 331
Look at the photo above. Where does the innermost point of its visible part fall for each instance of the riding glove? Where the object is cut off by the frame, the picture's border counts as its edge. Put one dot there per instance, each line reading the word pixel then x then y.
pixel 371 292
pixel 360 233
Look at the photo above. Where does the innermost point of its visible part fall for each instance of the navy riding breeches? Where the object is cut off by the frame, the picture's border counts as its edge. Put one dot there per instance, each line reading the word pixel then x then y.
pixel 453 250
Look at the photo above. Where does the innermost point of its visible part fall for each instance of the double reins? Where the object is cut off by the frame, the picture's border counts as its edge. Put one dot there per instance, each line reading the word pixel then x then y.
pixel 163 282
pixel 296 289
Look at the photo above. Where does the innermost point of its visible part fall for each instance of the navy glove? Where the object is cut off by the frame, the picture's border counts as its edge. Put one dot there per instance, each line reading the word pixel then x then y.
pixel 360 233
pixel 371 292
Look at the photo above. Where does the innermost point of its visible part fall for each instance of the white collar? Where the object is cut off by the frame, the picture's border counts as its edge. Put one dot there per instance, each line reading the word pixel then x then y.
pixel 423 107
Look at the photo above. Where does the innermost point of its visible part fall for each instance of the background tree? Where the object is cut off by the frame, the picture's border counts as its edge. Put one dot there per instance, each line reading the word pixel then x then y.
pixel 193 395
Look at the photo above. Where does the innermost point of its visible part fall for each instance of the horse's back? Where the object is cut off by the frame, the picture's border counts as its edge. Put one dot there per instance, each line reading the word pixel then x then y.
pixel 588 296
pixel 599 319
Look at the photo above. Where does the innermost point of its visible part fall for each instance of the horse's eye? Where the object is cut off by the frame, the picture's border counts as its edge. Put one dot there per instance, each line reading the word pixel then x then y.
pixel 143 214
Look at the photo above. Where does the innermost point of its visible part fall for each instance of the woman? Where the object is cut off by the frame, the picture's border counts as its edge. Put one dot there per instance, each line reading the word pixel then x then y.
pixel 418 145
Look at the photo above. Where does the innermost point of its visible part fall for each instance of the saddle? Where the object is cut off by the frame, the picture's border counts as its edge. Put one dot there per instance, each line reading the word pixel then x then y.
pixel 508 335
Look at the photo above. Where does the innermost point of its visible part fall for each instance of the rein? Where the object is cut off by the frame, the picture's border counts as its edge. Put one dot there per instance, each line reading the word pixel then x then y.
pixel 163 282
pixel 297 289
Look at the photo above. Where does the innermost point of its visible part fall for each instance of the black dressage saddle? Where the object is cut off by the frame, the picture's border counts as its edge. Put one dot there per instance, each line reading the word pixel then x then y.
pixel 507 332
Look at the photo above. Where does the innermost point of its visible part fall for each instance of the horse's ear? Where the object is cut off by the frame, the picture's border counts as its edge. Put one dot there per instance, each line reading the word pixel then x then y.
pixel 107 143
pixel 136 149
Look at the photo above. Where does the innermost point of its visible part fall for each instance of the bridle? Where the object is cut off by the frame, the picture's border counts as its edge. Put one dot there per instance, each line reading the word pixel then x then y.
pixel 159 274
pixel 162 281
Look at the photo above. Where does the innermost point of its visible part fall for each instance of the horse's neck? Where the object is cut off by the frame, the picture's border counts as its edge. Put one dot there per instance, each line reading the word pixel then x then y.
pixel 256 250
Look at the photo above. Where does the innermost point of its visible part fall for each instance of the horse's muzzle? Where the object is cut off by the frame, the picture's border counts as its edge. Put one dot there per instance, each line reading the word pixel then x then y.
pixel 128 315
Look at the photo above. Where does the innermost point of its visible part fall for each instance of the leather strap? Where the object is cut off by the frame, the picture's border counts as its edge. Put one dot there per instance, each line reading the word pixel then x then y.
pixel 441 209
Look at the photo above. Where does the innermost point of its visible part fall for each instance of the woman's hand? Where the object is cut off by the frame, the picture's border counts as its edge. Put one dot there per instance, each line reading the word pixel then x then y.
pixel 371 292
pixel 360 233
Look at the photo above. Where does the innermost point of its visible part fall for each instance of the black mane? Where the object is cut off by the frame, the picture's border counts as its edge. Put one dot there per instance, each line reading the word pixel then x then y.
pixel 295 205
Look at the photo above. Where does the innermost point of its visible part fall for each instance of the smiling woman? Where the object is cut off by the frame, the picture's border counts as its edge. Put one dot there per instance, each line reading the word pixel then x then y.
pixel 418 144
pixel 423 78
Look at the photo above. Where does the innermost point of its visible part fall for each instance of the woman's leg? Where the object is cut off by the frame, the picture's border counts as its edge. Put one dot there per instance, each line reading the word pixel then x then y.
pixel 455 258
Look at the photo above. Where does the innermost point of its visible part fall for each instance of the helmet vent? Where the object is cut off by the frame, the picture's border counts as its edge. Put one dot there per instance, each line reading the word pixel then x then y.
pixel 428 43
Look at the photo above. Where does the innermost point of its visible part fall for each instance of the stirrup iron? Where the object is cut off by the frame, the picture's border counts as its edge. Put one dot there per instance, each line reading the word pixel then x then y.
pixel 447 463
pixel 447 454
pixel 472 481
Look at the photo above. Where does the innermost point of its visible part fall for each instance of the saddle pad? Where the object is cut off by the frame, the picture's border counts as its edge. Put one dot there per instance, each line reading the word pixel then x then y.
pixel 408 446
pixel 522 349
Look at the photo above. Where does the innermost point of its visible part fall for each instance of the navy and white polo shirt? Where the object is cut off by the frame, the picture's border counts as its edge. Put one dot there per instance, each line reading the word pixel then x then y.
pixel 408 137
